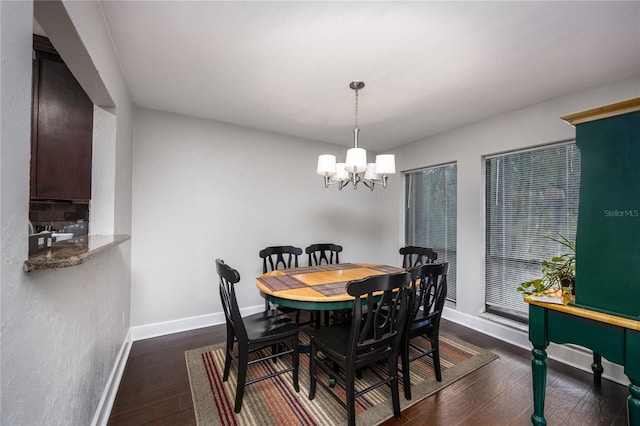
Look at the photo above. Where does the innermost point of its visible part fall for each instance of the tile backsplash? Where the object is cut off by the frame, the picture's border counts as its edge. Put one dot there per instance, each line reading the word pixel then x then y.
pixel 54 215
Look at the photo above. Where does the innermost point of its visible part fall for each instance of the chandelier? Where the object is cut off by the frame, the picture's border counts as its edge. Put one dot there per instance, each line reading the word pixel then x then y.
pixel 355 169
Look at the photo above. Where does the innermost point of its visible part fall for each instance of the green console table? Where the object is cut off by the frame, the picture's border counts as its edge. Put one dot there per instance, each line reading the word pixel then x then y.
pixel 613 337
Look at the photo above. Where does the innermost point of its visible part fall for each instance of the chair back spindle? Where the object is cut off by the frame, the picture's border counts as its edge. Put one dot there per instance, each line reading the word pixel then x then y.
pixel 279 257
pixel 378 330
pixel 413 256
pixel 326 254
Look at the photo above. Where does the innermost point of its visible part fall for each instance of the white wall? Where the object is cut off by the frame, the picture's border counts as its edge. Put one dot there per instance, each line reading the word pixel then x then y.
pixel 103 172
pixel 205 190
pixel 62 330
pixel 107 88
pixel 535 125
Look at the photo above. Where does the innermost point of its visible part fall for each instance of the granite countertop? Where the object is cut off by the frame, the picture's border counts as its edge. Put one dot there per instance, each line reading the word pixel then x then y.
pixel 73 252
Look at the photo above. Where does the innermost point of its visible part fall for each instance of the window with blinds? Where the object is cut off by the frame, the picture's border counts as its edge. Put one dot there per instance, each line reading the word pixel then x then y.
pixel 529 195
pixel 430 215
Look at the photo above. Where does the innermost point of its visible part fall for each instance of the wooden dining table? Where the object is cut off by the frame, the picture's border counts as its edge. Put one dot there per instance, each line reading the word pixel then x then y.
pixel 317 288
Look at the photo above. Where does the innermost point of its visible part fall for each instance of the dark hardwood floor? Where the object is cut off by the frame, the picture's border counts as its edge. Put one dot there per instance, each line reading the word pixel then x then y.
pixel 155 388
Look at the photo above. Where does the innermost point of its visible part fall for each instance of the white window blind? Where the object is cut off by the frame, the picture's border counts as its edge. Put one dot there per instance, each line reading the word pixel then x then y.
pixel 430 215
pixel 529 195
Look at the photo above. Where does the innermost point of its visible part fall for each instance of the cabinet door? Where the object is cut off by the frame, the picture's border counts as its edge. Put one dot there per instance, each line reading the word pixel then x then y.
pixel 608 237
pixel 62 133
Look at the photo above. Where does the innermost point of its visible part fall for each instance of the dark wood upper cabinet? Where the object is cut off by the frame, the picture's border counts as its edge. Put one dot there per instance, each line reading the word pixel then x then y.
pixel 62 130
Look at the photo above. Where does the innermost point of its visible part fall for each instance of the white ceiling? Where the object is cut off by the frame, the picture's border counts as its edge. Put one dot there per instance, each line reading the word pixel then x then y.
pixel 428 66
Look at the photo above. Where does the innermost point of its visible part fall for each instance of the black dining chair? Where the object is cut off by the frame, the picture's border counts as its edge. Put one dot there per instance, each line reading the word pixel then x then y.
pixel 253 335
pixel 327 254
pixel 414 256
pixel 373 336
pixel 282 257
pixel 427 295
pixel 279 257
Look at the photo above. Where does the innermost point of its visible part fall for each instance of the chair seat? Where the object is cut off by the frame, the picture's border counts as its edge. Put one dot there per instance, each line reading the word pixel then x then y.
pixel 269 325
pixel 420 323
pixel 332 340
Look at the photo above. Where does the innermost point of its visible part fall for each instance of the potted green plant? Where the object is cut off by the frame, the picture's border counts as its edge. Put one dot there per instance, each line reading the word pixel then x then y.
pixel 559 273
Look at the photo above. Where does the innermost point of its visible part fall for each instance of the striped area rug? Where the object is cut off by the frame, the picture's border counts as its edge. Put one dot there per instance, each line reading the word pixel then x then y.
pixel 275 402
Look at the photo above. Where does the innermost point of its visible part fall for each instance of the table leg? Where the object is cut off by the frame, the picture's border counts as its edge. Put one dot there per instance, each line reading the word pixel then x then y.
pixel 633 403
pixel 597 369
pixel 340 316
pixel 632 370
pixel 539 372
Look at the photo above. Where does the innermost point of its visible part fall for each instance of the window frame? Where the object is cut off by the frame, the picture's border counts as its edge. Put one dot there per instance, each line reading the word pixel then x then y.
pixel 451 282
pixel 485 197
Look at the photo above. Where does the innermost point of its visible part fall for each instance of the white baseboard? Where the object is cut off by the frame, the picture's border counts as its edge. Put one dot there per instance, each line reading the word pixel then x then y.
pixel 105 405
pixel 516 334
pixel 184 324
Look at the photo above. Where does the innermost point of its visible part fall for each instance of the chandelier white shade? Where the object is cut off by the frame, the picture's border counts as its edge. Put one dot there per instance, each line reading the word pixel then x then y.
pixel 385 164
pixel 356 162
pixel 326 165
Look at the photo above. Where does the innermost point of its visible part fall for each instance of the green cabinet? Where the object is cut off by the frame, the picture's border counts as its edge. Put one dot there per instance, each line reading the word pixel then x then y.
pixel 607 256
pixel 608 234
